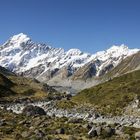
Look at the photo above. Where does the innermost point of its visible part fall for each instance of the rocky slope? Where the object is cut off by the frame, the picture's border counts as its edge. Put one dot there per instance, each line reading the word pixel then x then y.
pixel 56 66
pixel 43 127
pixel 131 63
pixel 48 120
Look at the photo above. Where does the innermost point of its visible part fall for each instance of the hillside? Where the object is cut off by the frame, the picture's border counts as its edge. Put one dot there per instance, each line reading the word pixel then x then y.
pixel 12 86
pixel 5 86
pixel 112 96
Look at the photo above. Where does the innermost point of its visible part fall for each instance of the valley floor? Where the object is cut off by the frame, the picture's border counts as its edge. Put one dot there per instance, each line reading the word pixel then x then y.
pixel 80 123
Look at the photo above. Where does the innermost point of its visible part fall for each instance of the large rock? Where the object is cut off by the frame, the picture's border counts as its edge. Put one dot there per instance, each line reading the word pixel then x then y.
pixel 61 131
pixel 125 136
pixel 31 110
pixel 87 126
pixel 39 134
pixel 25 134
pixel 92 132
pixel 2 122
pixel 99 130
pixel 75 120
pixel 137 135
pixel 108 131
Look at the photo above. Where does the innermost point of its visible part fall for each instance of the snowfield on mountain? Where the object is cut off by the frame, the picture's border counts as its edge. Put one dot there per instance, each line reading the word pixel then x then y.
pixel 21 55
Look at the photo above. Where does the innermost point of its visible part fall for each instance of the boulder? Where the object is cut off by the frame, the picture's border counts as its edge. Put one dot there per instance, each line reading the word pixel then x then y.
pixel 96 115
pixel 92 132
pixel 61 131
pixel 87 126
pixel 75 120
pixel 99 130
pixel 17 136
pixel 2 122
pixel 137 135
pixel 31 110
pixel 68 96
pixel 125 136
pixel 39 134
pixel 108 131
pixel 25 134
pixel 88 115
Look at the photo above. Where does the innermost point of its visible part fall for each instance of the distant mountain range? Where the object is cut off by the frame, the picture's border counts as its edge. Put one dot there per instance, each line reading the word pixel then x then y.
pixel 71 68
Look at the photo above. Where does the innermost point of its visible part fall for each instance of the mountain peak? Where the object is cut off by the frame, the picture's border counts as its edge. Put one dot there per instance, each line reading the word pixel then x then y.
pixel 74 52
pixel 122 49
pixel 21 37
pixel 116 48
pixel 16 41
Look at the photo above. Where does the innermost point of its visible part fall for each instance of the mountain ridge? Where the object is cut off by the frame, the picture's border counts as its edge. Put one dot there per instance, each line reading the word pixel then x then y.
pixel 21 55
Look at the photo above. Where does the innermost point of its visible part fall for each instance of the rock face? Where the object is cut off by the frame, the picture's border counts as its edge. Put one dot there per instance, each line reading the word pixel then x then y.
pixel 85 72
pixel 31 110
pixel 24 57
pixel 129 64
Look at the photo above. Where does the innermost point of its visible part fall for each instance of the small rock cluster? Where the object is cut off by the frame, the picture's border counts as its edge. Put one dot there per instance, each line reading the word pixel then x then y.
pixel 33 110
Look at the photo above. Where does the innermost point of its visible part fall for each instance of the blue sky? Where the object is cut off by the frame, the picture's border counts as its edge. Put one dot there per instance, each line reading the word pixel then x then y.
pixel 90 25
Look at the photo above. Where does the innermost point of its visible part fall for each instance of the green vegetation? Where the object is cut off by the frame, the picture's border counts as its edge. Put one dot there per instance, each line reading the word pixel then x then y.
pixel 5 85
pixel 131 131
pixel 25 128
pixel 16 87
pixel 27 86
pixel 112 96
pixel 65 104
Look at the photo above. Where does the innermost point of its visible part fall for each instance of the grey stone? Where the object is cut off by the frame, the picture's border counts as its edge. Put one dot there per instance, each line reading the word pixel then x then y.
pixel 137 135
pixel 25 134
pixel 22 122
pixel 61 131
pixel 31 110
pixel 39 134
pixel 109 131
pixel 2 122
pixel 92 132
pixel 18 136
pixel 87 126
pixel 125 136
pixel 99 130
pixel 75 120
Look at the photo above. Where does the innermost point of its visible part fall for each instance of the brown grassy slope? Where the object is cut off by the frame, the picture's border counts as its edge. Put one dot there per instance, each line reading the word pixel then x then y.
pixel 16 86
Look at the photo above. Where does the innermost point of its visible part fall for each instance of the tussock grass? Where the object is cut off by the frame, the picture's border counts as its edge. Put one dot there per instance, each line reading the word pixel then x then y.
pixel 112 96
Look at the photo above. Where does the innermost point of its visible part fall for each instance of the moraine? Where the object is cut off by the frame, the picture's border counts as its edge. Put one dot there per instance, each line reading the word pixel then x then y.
pixel 88 115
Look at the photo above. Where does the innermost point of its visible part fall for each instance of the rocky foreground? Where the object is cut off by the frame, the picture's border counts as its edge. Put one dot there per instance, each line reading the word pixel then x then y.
pixel 43 120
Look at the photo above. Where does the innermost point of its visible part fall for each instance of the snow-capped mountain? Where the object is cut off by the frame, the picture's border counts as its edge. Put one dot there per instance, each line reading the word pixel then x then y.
pixel 22 56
